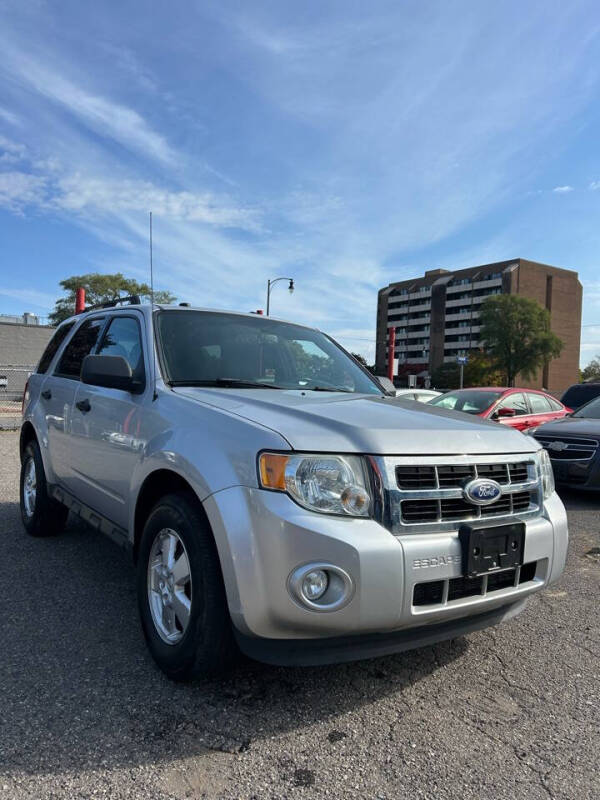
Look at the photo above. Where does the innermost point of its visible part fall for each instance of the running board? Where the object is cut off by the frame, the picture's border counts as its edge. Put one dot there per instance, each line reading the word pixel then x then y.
pixel 93 518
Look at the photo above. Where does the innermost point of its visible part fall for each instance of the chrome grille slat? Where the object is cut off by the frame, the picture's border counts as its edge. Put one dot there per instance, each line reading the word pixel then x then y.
pixel 443 504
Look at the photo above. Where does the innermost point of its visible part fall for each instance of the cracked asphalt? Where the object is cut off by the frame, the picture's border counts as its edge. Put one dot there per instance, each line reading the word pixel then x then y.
pixel 510 712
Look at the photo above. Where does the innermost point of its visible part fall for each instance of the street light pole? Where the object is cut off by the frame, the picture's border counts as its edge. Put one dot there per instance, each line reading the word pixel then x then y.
pixel 271 283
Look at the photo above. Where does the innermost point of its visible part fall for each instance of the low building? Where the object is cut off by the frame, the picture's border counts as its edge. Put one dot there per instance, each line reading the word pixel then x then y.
pixel 436 316
pixel 22 342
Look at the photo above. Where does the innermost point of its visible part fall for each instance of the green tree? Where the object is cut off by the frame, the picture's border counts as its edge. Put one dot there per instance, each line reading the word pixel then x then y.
pixel 592 371
pixel 100 288
pixel 515 332
pixel 362 360
pixel 479 371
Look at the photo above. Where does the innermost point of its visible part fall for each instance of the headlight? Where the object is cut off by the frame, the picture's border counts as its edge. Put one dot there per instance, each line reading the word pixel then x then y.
pixel 547 473
pixel 329 484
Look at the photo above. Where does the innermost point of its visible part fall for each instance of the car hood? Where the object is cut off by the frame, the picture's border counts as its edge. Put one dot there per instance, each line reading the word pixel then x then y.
pixel 343 422
pixel 571 426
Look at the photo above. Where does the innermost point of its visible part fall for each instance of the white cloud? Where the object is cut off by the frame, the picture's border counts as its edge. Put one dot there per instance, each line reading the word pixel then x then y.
pixel 40 300
pixel 11 152
pixel 19 190
pixel 81 193
pixel 594 185
pixel 49 188
pixel 105 117
pixel 9 116
pixel 562 189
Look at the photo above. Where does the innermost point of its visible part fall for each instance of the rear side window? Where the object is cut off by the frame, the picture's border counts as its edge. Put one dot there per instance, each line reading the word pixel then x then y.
pixel 539 404
pixel 517 401
pixel 82 343
pixel 554 404
pixel 52 347
pixel 123 338
pixel 579 394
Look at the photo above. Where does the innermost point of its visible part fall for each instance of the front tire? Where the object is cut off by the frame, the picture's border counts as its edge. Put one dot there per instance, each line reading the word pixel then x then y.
pixel 40 513
pixel 181 596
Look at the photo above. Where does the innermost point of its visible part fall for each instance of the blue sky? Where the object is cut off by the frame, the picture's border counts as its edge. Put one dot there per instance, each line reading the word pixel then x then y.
pixel 346 144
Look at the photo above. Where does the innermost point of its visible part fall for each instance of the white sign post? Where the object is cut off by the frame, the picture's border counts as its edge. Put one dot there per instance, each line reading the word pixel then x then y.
pixel 461 361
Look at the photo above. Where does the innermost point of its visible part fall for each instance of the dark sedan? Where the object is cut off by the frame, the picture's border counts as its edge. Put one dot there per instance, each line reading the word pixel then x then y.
pixel 573 446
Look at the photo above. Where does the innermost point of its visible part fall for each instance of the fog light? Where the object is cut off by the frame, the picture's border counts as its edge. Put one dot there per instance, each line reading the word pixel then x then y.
pixel 314 584
pixel 355 500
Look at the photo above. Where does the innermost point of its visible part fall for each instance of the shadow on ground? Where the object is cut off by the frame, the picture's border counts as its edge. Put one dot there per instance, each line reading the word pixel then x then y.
pixel 78 689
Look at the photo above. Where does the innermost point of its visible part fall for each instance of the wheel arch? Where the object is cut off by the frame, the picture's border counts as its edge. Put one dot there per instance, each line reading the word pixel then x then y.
pixel 156 485
pixel 27 435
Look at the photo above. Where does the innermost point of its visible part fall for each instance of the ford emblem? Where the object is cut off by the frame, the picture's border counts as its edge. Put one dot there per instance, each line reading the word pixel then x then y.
pixel 482 491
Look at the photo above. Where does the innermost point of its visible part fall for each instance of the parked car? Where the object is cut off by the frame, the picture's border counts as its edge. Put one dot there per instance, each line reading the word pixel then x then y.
pixel 573 446
pixel 517 408
pixel 275 500
pixel 579 394
pixel 421 395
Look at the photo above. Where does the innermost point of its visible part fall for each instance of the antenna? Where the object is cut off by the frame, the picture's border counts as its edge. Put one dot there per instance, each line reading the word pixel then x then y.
pixel 151 271
pixel 152 341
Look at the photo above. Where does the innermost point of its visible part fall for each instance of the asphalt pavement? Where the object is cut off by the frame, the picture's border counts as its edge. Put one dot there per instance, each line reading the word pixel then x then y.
pixel 509 712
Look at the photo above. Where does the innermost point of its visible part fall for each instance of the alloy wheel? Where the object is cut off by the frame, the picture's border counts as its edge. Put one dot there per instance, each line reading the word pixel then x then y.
pixel 169 586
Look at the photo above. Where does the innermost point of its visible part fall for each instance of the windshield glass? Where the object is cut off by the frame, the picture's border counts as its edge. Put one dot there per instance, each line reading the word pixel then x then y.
pixel 590 411
pixel 472 402
pixel 212 349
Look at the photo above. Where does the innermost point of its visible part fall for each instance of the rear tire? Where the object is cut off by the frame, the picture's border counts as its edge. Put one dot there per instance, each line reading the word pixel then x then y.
pixel 181 595
pixel 40 513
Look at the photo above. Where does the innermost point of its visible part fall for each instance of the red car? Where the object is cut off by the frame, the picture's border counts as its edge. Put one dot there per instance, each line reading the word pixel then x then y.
pixel 519 408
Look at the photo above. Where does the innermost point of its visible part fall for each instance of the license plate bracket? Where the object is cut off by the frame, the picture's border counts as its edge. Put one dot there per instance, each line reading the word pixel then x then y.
pixel 491 548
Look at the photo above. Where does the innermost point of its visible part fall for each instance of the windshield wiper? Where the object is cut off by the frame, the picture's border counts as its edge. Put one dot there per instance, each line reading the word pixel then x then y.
pixel 232 382
pixel 325 389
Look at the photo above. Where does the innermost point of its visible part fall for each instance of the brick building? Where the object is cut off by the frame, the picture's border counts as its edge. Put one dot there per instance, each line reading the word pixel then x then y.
pixel 437 316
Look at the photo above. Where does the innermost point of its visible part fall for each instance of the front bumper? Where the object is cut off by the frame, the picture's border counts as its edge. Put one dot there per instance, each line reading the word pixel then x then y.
pixel 584 474
pixel 263 536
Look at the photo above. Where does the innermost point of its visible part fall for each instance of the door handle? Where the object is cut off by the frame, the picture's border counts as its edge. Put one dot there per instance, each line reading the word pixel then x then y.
pixel 46 394
pixel 84 405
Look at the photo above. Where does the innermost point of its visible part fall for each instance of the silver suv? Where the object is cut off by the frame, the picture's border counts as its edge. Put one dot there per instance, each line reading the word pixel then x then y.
pixel 275 499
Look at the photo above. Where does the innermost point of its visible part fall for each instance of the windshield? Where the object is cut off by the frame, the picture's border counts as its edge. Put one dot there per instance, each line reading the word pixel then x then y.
pixel 472 402
pixel 203 348
pixel 590 410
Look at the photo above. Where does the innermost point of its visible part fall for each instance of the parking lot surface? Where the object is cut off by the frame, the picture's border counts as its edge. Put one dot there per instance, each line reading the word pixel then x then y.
pixel 511 712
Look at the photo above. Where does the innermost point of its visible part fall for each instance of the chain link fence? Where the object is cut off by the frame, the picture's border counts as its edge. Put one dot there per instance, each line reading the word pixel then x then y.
pixel 12 386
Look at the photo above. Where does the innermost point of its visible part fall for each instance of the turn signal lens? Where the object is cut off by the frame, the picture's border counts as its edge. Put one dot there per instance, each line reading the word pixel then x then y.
pixel 355 500
pixel 272 470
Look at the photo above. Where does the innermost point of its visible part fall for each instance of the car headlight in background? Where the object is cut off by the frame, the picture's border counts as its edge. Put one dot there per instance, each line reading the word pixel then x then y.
pixel 325 483
pixel 547 473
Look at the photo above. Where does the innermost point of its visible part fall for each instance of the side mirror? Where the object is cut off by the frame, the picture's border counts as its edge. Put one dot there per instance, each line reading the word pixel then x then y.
pixel 386 384
pixel 112 372
pixel 506 412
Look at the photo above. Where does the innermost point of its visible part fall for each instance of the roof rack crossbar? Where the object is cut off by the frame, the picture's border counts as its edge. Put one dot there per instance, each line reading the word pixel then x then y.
pixel 131 299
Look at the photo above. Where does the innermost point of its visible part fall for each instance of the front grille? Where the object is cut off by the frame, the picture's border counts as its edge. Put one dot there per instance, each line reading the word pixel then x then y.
pixel 446 476
pixel 432 593
pixel 427 493
pixel 411 477
pixel 569 448
pixel 445 510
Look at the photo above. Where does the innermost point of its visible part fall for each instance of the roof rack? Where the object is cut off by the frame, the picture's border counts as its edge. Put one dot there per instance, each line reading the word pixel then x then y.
pixel 131 299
